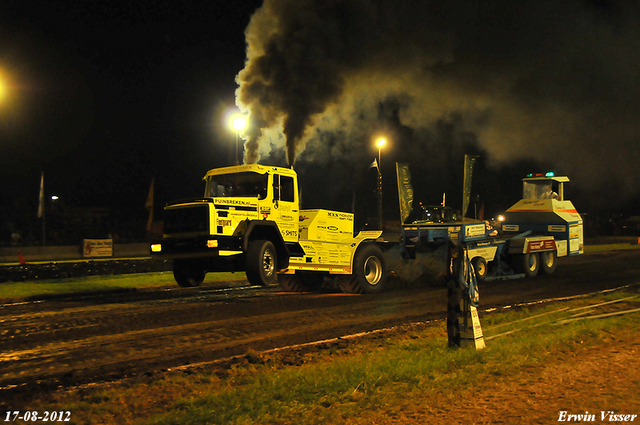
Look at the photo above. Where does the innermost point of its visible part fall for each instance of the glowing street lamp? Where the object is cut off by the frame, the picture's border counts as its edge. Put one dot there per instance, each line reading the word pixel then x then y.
pixel 5 86
pixel 239 123
pixel 381 142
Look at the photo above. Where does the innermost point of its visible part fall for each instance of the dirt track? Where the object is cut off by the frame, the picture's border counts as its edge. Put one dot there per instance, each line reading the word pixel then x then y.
pixel 73 341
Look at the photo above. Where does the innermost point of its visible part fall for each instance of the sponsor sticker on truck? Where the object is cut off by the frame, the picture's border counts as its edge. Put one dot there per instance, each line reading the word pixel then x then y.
pixel 474 231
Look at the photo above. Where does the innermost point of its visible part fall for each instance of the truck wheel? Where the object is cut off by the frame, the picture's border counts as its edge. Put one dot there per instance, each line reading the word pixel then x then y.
pixel 303 281
pixel 187 274
pixel 480 267
pixel 291 283
pixel 312 280
pixel 548 261
pixel 369 272
pixel 261 263
pixel 531 264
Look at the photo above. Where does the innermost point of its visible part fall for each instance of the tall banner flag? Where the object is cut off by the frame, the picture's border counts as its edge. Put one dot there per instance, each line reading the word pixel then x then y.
pixel 41 203
pixel 405 190
pixel 149 205
pixel 469 162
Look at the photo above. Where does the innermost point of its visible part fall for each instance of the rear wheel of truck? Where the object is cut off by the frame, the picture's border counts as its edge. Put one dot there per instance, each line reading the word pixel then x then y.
pixel 548 261
pixel 291 283
pixel 187 274
pixel 261 263
pixel 369 272
pixel 301 281
pixel 480 267
pixel 530 264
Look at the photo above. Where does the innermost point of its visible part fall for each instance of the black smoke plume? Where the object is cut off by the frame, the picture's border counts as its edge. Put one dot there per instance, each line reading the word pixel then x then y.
pixel 552 81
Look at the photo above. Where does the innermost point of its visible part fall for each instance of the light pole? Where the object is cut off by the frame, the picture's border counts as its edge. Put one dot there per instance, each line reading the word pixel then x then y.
pixel 381 142
pixel 238 123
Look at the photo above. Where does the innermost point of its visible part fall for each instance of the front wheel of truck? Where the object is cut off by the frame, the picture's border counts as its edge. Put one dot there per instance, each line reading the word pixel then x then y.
pixel 187 274
pixel 261 263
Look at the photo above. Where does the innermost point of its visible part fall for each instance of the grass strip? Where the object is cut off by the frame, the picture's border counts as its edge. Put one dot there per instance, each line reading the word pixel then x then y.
pixel 346 384
pixel 96 284
pixel 590 249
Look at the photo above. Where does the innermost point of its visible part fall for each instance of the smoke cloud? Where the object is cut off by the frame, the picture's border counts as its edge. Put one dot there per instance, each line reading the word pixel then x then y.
pixel 551 81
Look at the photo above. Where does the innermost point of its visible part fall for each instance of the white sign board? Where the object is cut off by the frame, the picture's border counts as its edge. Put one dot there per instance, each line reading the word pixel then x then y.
pixel 97 248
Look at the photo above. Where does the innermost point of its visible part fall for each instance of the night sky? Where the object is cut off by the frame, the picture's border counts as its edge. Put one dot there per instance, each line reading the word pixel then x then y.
pixel 105 96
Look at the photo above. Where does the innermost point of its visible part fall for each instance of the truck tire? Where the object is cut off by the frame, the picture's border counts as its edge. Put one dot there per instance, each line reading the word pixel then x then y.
pixel 530 264
pixel 301 281
pixel 480 267
pixel 548 261
pixel 187 274
pixel 261 263
pixel 369 272
pixel 291 283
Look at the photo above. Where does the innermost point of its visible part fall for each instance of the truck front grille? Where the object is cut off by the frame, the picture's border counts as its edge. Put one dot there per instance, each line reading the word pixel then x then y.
pixel 194 218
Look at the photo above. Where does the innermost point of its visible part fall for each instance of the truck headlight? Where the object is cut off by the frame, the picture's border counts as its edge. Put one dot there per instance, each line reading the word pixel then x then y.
pixel 156 247
pixel 212 243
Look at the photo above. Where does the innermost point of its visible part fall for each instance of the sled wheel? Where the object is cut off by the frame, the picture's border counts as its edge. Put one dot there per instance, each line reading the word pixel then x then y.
pixel 548 261
pixel 531 264
pixel 480 267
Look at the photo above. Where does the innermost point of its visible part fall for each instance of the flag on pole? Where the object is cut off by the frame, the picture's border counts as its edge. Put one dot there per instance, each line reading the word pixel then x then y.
pixel 405 190
pixel 149 206
pixel 374 164
pixel 41 203
pixel 469 162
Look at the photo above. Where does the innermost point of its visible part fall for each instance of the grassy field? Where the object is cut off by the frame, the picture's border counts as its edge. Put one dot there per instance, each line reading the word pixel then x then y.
pixel 93 284
pixel 364 381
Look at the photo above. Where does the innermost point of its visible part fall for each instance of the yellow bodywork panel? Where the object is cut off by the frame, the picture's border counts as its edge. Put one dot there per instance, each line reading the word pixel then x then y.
pixel 324 225
pixel 332 257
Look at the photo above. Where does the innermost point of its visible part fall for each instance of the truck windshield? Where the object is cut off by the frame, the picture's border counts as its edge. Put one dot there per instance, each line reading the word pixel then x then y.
pixel 237 185
pixel 541 189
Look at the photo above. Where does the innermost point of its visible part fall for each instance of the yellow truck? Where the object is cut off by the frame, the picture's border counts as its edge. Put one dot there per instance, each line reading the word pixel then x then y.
pixel 249 220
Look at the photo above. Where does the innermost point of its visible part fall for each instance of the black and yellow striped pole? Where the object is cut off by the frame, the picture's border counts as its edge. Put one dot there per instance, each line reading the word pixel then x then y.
pixel 463 322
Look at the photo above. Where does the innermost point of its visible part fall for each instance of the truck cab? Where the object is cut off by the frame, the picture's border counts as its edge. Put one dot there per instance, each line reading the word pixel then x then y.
pixel 246 211
pixel 249 220
pixel 253 192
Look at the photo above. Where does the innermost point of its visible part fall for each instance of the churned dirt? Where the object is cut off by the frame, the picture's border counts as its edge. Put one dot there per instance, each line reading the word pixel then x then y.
pixel 63 343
